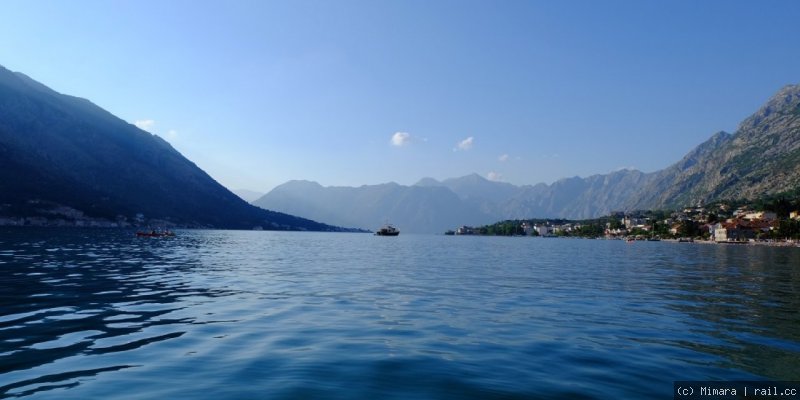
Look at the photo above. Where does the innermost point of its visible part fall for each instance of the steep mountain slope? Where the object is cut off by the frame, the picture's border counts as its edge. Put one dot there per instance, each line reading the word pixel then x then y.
pixel 761 157
pixel 59 152
pixel 576 198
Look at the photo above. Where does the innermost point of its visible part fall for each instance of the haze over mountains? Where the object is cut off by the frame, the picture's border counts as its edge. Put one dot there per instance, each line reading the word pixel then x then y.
pixel 413 208
pixel 762 157
pixel 66 161
pixel 247 195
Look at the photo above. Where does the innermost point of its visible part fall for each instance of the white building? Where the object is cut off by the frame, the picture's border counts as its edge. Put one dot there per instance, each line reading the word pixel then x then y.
pixel 544 230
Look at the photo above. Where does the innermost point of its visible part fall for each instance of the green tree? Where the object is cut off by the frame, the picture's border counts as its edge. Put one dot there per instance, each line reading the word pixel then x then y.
pixel 689 228
pixel 788 229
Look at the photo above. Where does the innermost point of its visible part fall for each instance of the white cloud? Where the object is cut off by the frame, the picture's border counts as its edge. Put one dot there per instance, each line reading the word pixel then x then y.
pixel 494 176
pixel 503 158
pixel 465 144
pixel 400 139
pixel 145 124
pixel 172 134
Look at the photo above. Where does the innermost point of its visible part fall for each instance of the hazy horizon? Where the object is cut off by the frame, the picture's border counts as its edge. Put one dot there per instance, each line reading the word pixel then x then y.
pixel 353 93
pixel 413 182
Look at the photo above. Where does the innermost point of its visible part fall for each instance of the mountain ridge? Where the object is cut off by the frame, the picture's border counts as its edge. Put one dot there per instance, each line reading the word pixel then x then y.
pixel 413 208
pixel 761 157
pixel 66 161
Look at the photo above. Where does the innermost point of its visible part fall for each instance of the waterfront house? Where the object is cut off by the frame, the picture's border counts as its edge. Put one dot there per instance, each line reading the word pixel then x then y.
pixel 733 231
pixel 712 230
pixel 466 230
pixel 736 230
pixel 544 230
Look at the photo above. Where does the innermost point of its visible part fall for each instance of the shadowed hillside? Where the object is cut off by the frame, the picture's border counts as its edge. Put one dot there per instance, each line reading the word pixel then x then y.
pixel 65 159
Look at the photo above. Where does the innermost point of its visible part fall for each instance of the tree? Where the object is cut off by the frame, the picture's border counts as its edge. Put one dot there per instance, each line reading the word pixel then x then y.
pixel 789 229
pixel 689 228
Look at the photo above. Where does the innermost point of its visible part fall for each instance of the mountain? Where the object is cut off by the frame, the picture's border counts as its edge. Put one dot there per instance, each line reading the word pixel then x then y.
pixel 430 206
pixel 247 195
pixel 476 191
pixel 477 188
pixel 64 160
pixel 425 182
pixel 576 198
pixel 417 208
pixel 762 157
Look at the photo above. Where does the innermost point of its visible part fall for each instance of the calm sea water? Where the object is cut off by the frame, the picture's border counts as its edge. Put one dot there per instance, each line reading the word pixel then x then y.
pixel 265 315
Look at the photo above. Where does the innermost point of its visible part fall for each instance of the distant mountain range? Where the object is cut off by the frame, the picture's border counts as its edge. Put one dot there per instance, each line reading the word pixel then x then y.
pixel 66 161
pixel 413 208
pixel 762 157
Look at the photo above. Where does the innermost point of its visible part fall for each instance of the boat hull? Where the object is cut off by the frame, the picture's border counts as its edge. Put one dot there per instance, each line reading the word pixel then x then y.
pixel 388 230
pixel 146 234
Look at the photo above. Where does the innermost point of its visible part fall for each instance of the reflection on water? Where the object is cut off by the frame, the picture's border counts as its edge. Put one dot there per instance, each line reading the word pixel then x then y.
pixel 69 299
pixel 215 314
pixel 748 299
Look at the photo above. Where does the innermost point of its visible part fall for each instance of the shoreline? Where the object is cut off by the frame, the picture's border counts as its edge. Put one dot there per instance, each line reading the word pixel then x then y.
pixel 747 243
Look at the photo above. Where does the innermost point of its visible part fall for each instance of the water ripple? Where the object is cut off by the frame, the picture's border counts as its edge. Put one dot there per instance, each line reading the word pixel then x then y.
pixel 228 315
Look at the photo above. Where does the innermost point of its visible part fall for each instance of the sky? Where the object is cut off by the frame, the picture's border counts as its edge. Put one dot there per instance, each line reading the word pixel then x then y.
pixel 348 93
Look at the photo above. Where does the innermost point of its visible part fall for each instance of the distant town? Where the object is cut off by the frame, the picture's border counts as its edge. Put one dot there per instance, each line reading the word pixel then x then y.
pixel 774 221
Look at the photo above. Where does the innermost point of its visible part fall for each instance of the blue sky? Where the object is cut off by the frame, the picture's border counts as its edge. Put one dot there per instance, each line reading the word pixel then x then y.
pixel 362 92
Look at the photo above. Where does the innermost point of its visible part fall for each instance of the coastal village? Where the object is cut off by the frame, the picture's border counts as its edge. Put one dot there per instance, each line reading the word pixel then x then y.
pixel 717 223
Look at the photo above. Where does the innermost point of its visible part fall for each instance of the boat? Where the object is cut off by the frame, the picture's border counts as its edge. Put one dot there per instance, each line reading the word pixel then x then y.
pixel 387 230
pixel 155 234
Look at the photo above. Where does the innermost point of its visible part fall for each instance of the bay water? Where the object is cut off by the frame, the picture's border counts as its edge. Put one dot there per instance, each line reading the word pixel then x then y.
pixel 88 314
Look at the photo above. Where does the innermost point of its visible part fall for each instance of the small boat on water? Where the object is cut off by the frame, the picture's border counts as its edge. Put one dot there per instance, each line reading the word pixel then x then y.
pixel 155 234
pixel 387 230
